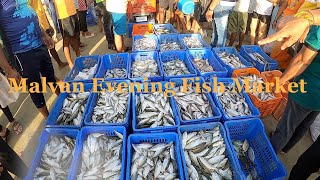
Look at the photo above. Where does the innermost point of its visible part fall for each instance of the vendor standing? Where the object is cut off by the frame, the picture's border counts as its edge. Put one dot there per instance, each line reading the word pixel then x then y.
pixel 25 39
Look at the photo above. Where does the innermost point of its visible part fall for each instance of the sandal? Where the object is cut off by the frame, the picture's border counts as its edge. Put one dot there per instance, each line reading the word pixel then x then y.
pixel 90 35
pixel 83 45
pixel 17 127
pixel 112 47
pixel 6 134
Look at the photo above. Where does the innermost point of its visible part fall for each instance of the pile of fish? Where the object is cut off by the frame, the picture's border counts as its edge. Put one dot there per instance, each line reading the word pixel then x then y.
pixel 162 30
pixel 231 60
pixel 73 109
pixel 56 158
pixel 192 42
pixel 145 68
pixel 246 156
pixel 263 96
pixel 101 157
pixel 145 44
pixel 153 110
pixel 86 73
pixel 111 107
pixel 192 105
pixel 205 155
pixel 170 46
pixel 202 65
pixel 116 73
pixel 233 103
pixel 175 67
pixel 258 58
pixel 154 161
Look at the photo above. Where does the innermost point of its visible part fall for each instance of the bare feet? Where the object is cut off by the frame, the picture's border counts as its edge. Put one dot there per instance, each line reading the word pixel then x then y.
pixel 89 34
pixel 17 127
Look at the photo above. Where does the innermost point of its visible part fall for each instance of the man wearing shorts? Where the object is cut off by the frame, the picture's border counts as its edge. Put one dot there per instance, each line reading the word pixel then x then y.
pixel 25 39
pixel 260 18
pixel 70 28
pixel 164 5
pixel 118 10
pixel 238 22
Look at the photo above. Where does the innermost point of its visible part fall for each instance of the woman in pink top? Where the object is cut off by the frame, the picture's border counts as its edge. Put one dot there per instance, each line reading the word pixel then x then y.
pixel 82 13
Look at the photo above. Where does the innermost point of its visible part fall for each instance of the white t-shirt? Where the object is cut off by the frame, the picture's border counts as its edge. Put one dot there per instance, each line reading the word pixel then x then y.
pixel 242 6
pixel 117 6
pixel 263 7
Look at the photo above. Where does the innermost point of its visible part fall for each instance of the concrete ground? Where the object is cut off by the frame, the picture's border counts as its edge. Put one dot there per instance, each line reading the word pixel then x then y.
pixel 26 113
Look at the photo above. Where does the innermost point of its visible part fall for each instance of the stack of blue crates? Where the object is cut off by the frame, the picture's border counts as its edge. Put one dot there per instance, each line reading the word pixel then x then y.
pixel 238 128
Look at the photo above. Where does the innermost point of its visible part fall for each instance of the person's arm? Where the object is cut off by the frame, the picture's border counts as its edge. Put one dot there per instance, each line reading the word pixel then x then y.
pixel 9 71
pixel 298 64
pixel 283 6
pixel 211 8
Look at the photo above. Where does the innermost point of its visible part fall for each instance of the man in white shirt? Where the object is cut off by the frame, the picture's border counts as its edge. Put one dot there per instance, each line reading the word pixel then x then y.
pixel 238 22
pixel 260 18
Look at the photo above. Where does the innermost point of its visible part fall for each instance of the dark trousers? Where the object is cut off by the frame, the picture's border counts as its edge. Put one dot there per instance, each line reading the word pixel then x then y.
pixel 308 163
pixel 8 114
pixel 34 63
pixel 83 21
pixel 107 23
pixel 294 123
pixel 14 164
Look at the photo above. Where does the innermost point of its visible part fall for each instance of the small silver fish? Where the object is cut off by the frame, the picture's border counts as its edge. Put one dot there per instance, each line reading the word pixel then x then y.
pixel 231 60
pixel 86 73
pixel 162 30
pixel 169 46
pixel 145 44
pixel 116 73
pixel 203 65
pixel 144 68
pixel 175 67
pixel 192 42
pixel 258 58
pixel 56 158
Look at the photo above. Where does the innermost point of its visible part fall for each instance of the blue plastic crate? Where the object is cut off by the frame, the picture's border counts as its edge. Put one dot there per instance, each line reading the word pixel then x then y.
pixel 204 44
pixel 271 65
pixel 234 165
pixel 174 55
pixel 136 129
pixel 154 138
pixel 217 114
pixel 254 111
pixel 56 110
pixel 108 131
pixel 145 56
pixel 112 61
pixel 164 26
pixel 43 140
pixel 219 70
pixel 137 37
pixel 82 63
pixel 230 50
pixel 93 103
pixel 168 38
pixel 267 163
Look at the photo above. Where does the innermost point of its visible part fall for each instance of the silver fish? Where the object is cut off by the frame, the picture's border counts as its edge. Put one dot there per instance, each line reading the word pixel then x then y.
pixel 116 73
pixel 73 109
pixel 233 103
pixel 101 157
pixel 169 46
pixel 56 158
pixel 153 110
pixel 202 65
pixel 145 68
pixel 86 73
pixel 263 96
pixel 192 42
pixel 258 58
pixel 192 105
pixel 162 30
pixel 175 67
pixel 111 107
pixel 153 161
pixel 231 60
pixel 205 155
pixel 145 44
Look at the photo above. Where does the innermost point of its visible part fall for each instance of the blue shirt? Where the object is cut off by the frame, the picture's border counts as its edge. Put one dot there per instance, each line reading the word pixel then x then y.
pixel 20 24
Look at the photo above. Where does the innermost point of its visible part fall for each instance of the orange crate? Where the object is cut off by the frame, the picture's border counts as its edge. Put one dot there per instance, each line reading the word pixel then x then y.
pixel 266 112
pixel 270 75
pixel 142 29
pixel 141 6
pixel 277 114
pixel 261 105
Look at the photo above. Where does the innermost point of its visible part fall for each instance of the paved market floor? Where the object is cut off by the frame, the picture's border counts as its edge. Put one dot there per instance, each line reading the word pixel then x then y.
pixel 26 113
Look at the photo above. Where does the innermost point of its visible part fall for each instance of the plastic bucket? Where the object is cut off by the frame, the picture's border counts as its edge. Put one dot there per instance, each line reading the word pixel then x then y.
pixel 186 6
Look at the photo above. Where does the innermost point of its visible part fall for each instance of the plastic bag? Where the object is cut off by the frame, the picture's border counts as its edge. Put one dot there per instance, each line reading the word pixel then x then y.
pixel 6 97
pixel 315 128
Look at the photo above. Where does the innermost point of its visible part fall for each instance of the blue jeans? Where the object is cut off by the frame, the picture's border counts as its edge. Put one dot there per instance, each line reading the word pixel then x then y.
pixel 52 11
pixel 219 25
